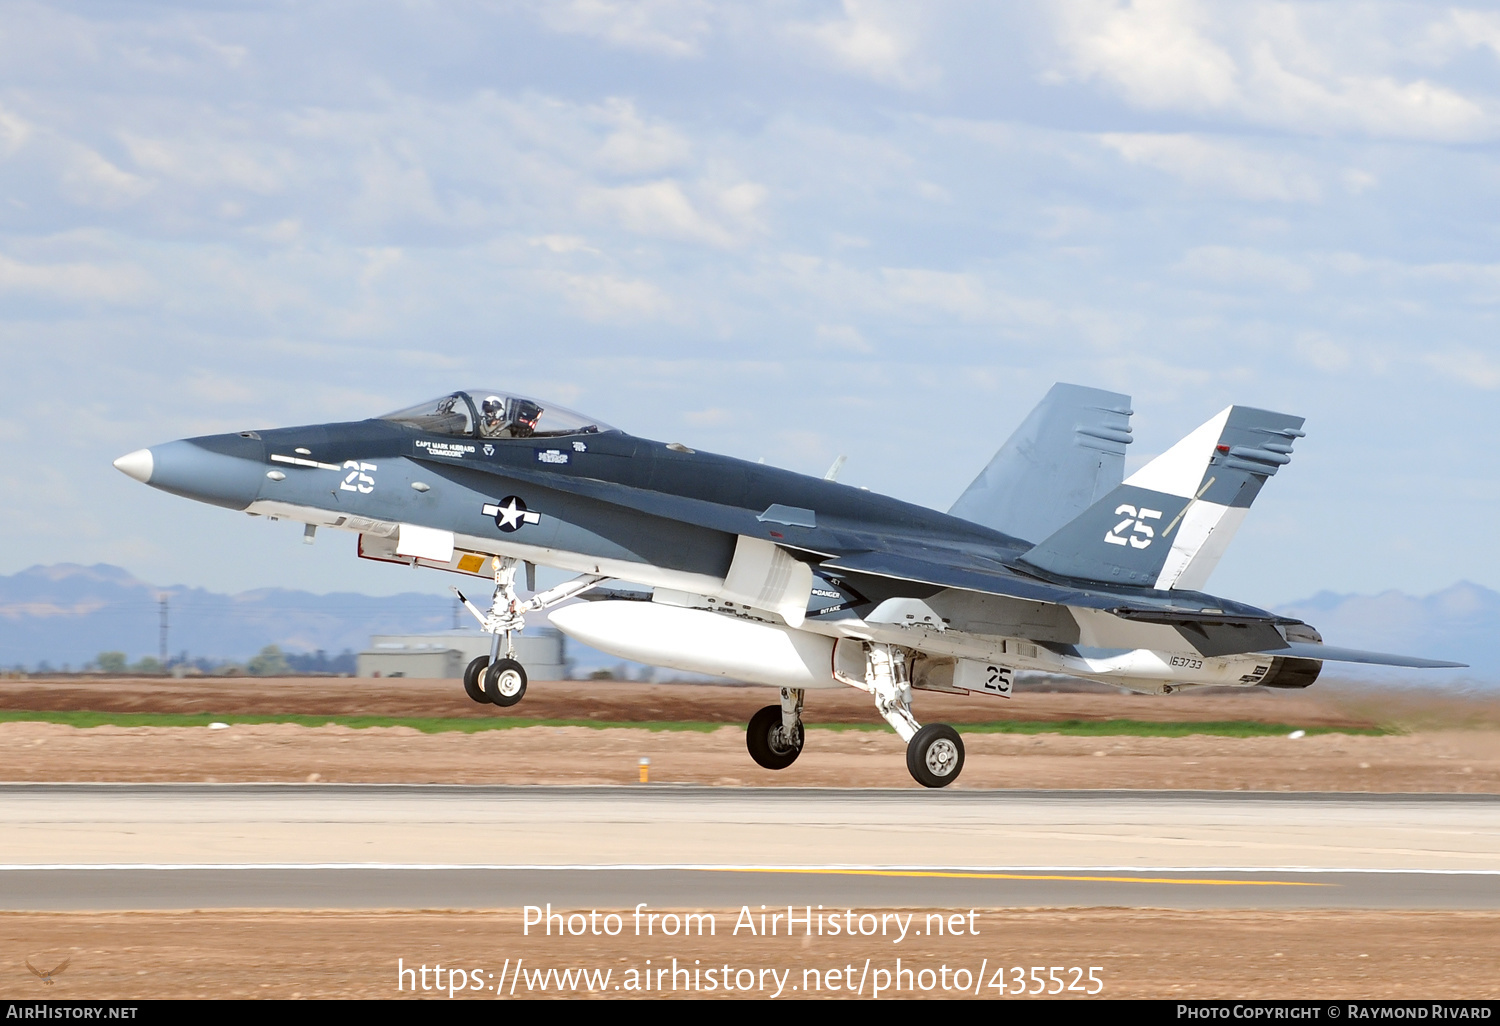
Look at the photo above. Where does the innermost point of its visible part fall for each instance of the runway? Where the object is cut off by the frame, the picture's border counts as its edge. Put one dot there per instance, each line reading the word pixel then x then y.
pixel 103 846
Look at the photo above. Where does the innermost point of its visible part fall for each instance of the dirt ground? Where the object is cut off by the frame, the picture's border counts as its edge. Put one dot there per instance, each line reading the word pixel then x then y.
pixel 1448 745
pixel 622 701
pixel 1141 953
pixel 1452 747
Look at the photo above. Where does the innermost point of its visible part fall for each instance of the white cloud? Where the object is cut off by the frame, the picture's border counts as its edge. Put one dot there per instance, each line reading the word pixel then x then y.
pixel 15 131
pixel 842 338
pixel 1219 165
pixel 637 146
pixel 206 163
pixel 672 28
pixel 1246 268
pixel 1291 67
pixel 120 283
pixel 1321 352
pixel 715 416
pixel 1466 29
pixel 662 209
pixel 1154 51
pixel 1468 366
pixel 607 298
pixel 90 180
pixel 956 293
pixel 962 294
pixel 873 39
pixel 561 244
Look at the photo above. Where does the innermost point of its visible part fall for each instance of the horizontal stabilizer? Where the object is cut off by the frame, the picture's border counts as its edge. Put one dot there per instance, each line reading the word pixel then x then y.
pixel 1067 454
pixel 1307 650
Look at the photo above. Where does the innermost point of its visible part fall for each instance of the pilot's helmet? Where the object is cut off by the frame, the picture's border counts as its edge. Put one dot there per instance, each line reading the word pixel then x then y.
pixel 527 413
pixel 493 407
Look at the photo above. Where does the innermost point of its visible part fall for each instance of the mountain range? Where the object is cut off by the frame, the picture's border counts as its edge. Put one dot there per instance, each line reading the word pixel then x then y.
pixel 66 614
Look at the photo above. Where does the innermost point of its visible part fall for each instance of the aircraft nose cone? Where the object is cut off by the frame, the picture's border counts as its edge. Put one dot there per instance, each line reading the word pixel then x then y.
pixel 225 470
pixel 138 465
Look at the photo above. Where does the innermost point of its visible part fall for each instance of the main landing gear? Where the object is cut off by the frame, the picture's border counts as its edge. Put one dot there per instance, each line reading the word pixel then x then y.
pixel 934 753
pixel 501 680
pixel 774 736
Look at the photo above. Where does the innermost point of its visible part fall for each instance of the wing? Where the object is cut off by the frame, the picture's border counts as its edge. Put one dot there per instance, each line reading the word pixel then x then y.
pixel 1212 625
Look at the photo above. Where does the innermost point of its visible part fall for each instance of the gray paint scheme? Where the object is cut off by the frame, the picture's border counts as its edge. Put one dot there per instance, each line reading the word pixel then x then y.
pixel 999 616
pixel 1259 443
pixel 1067 454
pixel 1080 551
pixel 1251 447
pixel 195 471
pixel 618 497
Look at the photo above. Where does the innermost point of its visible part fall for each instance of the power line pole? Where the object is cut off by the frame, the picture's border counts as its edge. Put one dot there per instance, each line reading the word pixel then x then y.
pixel 163 639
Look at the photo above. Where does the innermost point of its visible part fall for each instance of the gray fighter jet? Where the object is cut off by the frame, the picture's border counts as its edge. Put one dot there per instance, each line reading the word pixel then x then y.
pixel 1050 561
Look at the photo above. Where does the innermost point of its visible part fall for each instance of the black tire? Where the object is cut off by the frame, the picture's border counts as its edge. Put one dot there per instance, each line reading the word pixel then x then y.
pixel 935 755
pixel 473 687
pixel 505 682
pixel 766 738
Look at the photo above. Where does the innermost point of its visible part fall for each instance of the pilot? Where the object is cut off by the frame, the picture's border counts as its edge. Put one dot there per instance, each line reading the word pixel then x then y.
pixel 526 414
pixel 492 422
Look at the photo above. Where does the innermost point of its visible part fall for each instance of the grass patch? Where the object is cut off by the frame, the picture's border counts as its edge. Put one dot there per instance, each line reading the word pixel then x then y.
pixel 1145 728
pixel 470 725
pixel 427 725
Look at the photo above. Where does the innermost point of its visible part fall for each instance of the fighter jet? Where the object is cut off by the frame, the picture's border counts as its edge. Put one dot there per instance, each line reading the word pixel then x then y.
pixel 1050 561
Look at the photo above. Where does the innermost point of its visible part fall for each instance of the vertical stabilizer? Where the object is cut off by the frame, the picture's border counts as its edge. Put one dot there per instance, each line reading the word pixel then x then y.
pixel 1066 454
pixel 1168 525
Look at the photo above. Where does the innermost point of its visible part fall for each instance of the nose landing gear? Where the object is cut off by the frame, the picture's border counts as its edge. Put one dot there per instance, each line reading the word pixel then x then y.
pixel 473 682
pixel 505 682
pixel 502 680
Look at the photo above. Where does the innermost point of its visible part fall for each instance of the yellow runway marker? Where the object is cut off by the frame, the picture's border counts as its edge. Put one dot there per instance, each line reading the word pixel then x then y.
pixel 1054 877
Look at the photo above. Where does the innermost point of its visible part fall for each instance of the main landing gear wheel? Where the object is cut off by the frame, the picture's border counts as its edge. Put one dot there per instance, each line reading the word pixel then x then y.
pixel 473 686
pixel 505 682
pixel 935 755
pixel 768 741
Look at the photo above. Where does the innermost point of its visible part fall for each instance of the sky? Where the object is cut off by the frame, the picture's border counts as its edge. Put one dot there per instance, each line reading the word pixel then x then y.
pixel 781 230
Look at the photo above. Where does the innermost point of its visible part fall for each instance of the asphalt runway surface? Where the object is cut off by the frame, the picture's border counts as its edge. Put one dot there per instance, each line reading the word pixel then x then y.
pixel 131 846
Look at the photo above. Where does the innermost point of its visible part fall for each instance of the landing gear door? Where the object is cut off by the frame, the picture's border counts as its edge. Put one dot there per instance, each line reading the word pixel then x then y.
pixel 984 678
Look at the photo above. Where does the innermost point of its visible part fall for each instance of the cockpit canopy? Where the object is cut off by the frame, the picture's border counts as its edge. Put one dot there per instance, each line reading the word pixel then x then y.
pixel 487 413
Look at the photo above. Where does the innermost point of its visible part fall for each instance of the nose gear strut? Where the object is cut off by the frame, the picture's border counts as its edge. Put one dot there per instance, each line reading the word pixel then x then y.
pixel 502 681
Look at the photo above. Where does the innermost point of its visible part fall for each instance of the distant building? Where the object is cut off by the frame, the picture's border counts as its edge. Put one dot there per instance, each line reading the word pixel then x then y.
pixel 444 655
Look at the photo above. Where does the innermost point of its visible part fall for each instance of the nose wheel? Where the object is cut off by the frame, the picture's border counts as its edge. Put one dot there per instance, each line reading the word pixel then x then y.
pixel 504 682
pixel 473 680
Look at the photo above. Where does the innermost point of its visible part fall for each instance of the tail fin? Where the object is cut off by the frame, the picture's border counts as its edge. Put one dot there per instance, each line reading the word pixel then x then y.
pixel 1066 454
pixel 1169 524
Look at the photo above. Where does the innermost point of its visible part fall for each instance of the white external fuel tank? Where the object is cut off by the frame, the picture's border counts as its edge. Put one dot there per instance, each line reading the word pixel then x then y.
pixel 699 641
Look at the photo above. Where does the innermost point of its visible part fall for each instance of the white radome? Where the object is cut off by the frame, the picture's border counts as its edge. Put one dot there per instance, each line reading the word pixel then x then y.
pixel 138 465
